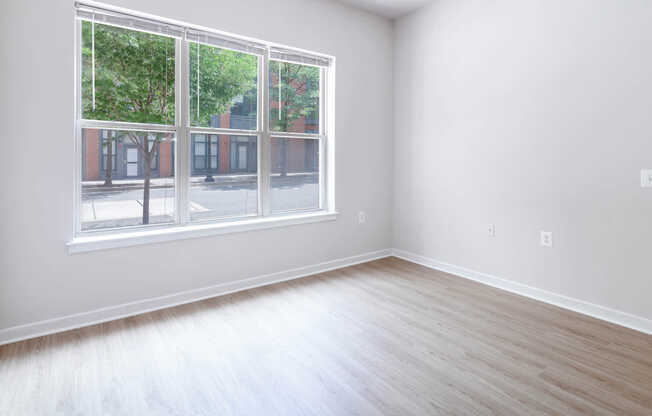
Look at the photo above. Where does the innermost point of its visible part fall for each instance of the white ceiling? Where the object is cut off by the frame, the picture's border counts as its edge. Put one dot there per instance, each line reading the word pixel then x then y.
pixel 388 8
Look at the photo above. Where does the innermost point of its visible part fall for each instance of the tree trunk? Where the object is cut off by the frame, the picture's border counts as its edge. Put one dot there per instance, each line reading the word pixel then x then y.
pixel 108 169
pixel 146 186
pixel 284 157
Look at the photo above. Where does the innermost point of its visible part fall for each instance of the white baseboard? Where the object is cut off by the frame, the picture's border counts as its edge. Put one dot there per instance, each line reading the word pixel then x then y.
pixel 65 323
pixel 596 311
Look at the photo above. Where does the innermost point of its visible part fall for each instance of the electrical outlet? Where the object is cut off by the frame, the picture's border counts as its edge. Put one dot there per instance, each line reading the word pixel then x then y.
pixel 362 217
pixel 491 230
pixel 646 178
pixel 546 238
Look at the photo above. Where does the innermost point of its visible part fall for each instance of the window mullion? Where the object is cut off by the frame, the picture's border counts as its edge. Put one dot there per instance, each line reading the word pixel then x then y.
pixel 77 175
pixel 329 133
pixel 182 159
pixel 125 126
pixel 223 131
pixel 265 143
pixel 323 171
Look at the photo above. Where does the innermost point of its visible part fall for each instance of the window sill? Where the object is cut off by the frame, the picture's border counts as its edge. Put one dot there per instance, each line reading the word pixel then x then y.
pixel 133 238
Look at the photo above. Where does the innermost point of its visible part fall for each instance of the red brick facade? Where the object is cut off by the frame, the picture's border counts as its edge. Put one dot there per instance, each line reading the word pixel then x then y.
pixel 91 154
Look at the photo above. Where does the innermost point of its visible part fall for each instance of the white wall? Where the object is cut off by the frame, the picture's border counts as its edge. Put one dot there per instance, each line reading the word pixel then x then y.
pixel 39 280
pixel 527 114
pixel 533 115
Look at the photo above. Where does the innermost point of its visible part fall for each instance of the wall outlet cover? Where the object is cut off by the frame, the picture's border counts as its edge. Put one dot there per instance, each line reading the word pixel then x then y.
pixel 546 238
pixel 646 178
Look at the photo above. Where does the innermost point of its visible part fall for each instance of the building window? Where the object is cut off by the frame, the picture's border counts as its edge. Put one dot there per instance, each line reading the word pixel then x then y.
pixel 204 148
pixel 243 154
pixel 249 119
pixel 108 150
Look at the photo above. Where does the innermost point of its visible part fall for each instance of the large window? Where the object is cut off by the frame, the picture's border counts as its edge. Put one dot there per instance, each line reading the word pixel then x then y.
pixel 182 126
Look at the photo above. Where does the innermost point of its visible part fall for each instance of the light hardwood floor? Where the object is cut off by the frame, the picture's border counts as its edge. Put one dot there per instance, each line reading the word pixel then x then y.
pixel 382 338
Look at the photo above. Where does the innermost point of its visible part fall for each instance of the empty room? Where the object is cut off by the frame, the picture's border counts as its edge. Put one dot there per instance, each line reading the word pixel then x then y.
pixel 326 207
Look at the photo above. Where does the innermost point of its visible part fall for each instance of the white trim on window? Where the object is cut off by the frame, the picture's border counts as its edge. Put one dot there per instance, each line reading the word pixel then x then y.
pixel 95 12
pixel 295 57
pixel 181 232
pixel 121 125
pixel 220 130
pixel 182 120
pixel 182 227
pixel 225 42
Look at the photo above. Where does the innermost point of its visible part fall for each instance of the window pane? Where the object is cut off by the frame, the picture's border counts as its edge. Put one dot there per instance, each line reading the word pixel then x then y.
pixel 200 144
pixel 293 97
pixel 154 148
pixel 119 198
pixel 225 189
pixel 214 152
pixel 108 144
pixel 223 88
pixel 133 79
pixel 295 174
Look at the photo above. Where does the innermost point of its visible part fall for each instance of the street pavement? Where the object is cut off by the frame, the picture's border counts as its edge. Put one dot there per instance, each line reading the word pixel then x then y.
pixel 121 206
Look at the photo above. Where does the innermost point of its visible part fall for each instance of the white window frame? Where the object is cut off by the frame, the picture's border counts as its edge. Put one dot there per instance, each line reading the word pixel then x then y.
pixel 182 227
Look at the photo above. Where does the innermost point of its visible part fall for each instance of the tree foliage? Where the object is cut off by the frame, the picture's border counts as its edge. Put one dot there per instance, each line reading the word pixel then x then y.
pixel 134 75
pixel 298 96
pixel 222 76
pixel 133 81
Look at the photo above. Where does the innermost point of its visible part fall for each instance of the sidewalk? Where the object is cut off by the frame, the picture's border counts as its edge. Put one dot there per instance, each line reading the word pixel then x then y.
pixel 167 180
pixel 136 183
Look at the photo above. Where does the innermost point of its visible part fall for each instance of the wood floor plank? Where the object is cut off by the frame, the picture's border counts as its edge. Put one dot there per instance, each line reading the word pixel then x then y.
pixel 387 337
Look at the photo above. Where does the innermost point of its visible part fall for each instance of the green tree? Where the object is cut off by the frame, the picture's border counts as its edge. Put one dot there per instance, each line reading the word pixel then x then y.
pixel 297 97
pixel 294 95
pixel 134 82
pixel 217 76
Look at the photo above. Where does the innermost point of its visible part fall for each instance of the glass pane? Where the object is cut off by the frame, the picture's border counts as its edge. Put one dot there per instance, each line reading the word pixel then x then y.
pixel 293 97
pixel 242 154
pixel 223 88
pixel 214 152
pixel 200 145
pixel 224 189
pixel 134 75
pixel 132 194
pixel 295 174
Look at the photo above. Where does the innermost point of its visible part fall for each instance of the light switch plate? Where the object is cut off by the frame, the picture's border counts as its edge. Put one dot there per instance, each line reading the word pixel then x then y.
pixel 646 178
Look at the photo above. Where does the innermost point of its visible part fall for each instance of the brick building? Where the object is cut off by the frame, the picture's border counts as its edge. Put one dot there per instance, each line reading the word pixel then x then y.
pixel 210 154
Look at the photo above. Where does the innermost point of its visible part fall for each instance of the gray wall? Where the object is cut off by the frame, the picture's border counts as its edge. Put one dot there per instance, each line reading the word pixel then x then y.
pixel 532 115
pixel 39 280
